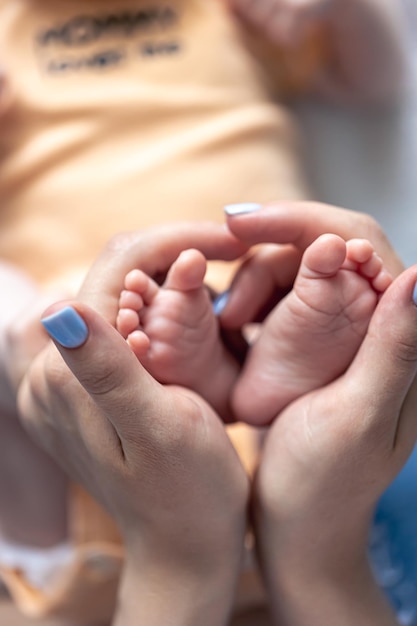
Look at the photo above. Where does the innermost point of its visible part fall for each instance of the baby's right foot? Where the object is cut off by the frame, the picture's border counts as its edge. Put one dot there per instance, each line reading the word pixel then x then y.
pixel 174 333
pixel 312 335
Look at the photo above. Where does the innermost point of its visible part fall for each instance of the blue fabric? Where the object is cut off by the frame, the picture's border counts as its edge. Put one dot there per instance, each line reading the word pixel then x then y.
pixel 393 543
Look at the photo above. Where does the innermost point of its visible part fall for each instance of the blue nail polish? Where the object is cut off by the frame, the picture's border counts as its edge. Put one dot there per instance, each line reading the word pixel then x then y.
pixel 66 327
pixel 220 302
pixel 241 208
pixel 415 294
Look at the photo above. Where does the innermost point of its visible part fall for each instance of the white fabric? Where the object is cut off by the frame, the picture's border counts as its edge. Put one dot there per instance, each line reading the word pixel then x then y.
pixel 41 566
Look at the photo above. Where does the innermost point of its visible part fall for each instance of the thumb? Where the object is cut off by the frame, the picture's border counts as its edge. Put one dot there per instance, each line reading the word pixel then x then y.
pixel 104 364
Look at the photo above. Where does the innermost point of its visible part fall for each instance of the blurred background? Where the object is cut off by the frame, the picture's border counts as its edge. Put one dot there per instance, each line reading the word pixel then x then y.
pixel 368 161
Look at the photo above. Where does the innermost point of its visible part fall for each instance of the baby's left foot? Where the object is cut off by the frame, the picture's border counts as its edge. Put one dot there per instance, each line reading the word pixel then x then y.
pixel 312 335
pixel 173 331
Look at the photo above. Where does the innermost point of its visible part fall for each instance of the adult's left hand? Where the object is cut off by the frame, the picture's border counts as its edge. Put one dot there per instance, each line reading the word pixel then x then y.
pixel 287 229
pixel 157 457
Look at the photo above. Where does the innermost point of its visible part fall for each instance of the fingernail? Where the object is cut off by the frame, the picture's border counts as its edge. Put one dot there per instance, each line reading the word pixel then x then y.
pixel 220 302
pixel 243 207
pixel 415 294
pixel 66 327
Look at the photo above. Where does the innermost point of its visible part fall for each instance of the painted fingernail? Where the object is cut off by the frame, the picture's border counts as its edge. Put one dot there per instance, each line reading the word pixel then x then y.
pixel 243 207
pixel 67 327
pixel 415 294
pixel 220 302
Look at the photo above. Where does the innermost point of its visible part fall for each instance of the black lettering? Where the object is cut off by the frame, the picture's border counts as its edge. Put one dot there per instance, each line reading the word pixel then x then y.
pixel 101 60
pixel 158 49
pixel 105 59
pixel 84 29
pixel 130 23
pixel 167 16
pixel 49 36
pixel 80 31
pixel 63 65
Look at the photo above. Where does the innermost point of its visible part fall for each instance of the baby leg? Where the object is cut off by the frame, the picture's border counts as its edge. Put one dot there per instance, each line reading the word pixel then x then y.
pixel 312 335
pixel 173 331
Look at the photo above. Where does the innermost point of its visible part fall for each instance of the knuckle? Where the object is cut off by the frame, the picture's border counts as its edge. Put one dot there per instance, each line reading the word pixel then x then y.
pixel 118 242
pixel 406 351
pixel 55 372
pixel 102 381
pixel 373 230
pixel 370 224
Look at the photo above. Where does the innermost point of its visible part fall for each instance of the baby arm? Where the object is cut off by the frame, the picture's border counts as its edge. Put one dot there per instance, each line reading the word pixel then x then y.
pixel 368 48
pixel 364 42
pixel 18 290
pixel 25 470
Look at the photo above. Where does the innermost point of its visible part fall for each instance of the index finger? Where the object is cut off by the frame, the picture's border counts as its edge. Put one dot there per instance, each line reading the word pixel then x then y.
pixel 300 223
pixel 152 250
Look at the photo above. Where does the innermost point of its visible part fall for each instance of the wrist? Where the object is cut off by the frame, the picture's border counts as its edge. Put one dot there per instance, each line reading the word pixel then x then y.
pixel 350 599
pixel 316 570
pixel 159 592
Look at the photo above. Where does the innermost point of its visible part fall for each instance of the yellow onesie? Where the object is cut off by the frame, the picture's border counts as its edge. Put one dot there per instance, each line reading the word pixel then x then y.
pixel 118 115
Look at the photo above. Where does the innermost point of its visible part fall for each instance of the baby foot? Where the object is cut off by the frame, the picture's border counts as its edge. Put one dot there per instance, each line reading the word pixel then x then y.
pixel 312 335
pixel 173 331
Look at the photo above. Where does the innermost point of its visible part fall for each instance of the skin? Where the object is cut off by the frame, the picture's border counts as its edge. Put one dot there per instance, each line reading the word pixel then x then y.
pixel 336 449
pixel 21 337
pixel 164 475
pixel 99 416
pixel 370 71
pixel 325 317
pixel 294 225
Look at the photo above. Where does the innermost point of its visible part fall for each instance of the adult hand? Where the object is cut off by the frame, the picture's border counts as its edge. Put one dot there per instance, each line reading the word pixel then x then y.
pixel 157 457
pixel 329 455
pixel 327 459
pixel 291 227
